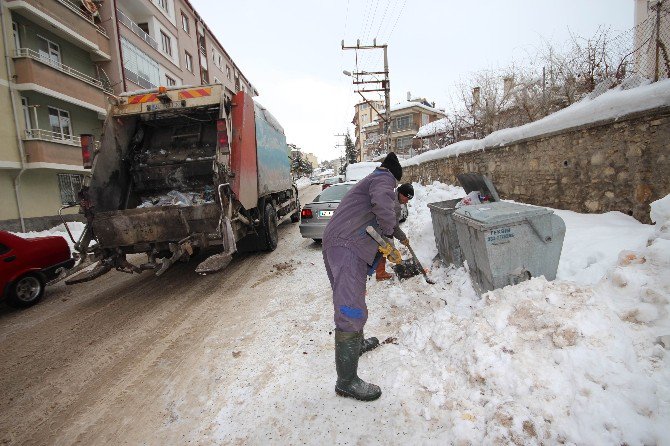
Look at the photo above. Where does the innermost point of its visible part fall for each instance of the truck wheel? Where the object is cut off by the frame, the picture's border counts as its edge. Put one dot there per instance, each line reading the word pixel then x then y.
pixel 26 291
pixel 270 234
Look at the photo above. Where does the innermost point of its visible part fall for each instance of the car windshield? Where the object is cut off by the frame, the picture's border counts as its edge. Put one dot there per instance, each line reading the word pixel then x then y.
pixel 333 193
pixel 332 180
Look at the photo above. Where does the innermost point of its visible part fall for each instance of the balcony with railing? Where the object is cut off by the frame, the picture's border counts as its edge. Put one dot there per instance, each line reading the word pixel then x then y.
pixel 35 68
pixel 135 28
pixel 44 146
pixel 68 20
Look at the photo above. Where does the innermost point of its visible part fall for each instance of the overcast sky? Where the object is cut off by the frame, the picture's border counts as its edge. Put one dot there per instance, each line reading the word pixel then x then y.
pixel 290 50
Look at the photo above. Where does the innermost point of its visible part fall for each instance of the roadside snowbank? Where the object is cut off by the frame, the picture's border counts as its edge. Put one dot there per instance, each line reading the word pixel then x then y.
pixel 303 182
pixel 75 227
pixel 569 361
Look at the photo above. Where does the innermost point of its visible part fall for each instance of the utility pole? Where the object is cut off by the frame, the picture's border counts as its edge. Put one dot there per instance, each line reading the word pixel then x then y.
pixel 362 78
pixel 340 146
pixel 658 5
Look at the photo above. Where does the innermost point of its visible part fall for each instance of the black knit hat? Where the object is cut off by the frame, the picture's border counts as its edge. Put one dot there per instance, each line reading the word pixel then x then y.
pixel 407 190
pixel 393 165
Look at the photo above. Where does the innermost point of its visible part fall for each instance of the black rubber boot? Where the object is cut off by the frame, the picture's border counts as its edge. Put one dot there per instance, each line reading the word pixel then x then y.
pixel 347 352
pixel 368 344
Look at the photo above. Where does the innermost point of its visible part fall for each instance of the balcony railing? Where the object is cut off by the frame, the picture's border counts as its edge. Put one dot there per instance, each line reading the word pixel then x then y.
pixel 46 135
pixel 45 59
pixel 407 128
pixel 135 28
pixel 74 7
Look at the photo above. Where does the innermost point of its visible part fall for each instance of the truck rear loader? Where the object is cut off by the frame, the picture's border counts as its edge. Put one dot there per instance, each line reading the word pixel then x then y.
pixel 182 169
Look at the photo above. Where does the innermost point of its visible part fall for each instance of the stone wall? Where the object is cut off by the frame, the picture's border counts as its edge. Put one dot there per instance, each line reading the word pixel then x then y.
pixel 613 165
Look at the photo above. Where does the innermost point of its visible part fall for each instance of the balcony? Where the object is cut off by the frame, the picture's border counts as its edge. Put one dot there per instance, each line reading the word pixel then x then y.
pixel 40 73
pixel 43 146
pixel 134 27
pixel 66 19
pixel 408 128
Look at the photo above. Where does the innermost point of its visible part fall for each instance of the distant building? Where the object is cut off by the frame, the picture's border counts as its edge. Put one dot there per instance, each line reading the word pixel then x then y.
pixel 406 119
pixel 365 113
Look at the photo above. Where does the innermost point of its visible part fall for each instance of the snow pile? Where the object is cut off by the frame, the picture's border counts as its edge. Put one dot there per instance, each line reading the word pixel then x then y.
pixel 303 182
pixel 76 228
pixel 610 105
pixel 358 171
pixel 573 361
pixel 433 128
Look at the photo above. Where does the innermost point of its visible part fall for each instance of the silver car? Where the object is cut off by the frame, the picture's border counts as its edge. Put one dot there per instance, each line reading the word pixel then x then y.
pixel 315 215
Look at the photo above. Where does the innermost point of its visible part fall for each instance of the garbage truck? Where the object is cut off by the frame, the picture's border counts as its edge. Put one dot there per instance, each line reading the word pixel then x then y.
pixel 178 170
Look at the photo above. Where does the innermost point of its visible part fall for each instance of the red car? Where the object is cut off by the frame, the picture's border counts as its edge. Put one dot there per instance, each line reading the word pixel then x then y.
pixel 26 265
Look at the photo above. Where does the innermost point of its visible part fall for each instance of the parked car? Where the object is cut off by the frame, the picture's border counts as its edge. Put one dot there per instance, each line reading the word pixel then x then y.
pixel 330 181
pixel 315 215
pixel 28 265
pixel 315 180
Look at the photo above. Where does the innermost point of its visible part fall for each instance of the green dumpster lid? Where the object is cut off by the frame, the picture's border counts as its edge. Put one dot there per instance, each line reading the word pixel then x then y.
pixel 492 214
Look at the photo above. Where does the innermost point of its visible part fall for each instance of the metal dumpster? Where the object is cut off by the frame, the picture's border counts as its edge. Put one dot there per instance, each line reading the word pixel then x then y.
pixel 441 214
pixel 507 243
pixel 444 229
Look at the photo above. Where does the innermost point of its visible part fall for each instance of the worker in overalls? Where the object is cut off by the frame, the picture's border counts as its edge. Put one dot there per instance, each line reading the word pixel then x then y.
pixel 348 253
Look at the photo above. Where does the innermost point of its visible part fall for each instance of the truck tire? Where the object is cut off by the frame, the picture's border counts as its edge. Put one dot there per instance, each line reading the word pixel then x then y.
pixel 270 235
pixel 26 291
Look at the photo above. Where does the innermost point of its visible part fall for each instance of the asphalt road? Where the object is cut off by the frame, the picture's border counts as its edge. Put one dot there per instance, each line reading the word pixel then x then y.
pixel 93 363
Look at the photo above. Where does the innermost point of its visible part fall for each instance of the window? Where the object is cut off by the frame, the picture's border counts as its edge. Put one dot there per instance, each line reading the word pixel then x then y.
pixel 218 61
pixel 204 76
pixel 217 81
pixel 189 61
pixel 185 25
pixel 404 142
pixel 401 123
pixel 17 37
pixel 144 27
pixel 26 113
pixel 59 120
pixel 163 4
pixel 138 67
pixel 228 72
pixel 49 51
pixel 69 185
pixel 364 106
pixel 167 45
pixel 169 81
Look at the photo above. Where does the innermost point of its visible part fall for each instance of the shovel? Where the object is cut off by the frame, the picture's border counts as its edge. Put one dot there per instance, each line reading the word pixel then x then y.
pixel 418 264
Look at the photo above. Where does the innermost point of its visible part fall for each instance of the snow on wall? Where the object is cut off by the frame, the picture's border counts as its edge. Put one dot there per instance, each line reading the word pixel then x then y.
pixel 433 128
pixel 610 105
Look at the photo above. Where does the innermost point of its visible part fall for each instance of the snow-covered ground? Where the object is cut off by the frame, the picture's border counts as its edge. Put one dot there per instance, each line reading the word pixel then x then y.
pixel 573 361
pixel 302 182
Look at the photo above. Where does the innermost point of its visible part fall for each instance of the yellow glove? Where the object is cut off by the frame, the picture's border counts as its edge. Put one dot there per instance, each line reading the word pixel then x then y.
pixel 390 252
pixel 405 242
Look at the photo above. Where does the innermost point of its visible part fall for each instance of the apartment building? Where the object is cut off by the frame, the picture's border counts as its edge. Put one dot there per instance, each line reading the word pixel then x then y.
pixel 66 59
pixel 166 42
pixel 51 92
pixel 364 114
pixel 406 119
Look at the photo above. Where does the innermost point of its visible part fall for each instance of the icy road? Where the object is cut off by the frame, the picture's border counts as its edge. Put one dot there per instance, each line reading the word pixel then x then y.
pixel 246 356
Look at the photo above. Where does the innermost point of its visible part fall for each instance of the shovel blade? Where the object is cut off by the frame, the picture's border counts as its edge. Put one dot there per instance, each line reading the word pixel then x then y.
pixel 408 268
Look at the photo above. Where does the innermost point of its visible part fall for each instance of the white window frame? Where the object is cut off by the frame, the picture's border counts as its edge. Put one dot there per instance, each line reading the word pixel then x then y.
pixel 166 43
pixel 185 23
pixel 16 34
pixel 61 116
pixel 216 80
pixel 69 185
pixel 164 5
pixel 188 61
pixel 51 52
pixel 25 106
pixel 228 73
pixel 170 81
